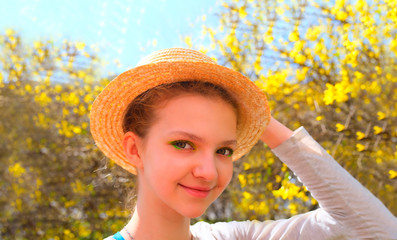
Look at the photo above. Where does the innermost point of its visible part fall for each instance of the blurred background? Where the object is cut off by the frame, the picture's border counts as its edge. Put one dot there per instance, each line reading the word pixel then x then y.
pixel 329 65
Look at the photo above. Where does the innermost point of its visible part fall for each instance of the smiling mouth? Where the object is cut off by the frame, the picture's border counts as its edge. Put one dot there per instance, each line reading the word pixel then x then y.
pixel 198 192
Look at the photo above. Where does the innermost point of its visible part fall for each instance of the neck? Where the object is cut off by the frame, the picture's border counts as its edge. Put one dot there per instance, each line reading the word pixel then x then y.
pixel 149 222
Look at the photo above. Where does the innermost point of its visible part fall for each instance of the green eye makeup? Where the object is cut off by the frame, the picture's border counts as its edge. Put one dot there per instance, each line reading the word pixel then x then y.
pixel 225 151
pixel 181 144
pixel 185 145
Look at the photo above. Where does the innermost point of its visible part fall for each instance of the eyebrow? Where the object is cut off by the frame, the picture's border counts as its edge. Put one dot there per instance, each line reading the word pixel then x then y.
pixel 199 139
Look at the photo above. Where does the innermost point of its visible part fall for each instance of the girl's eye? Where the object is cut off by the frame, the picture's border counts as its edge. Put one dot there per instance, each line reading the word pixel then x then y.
pixel 182 144
pixel 225 151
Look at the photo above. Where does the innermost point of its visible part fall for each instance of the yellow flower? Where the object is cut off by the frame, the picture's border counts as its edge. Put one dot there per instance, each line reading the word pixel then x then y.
pixel 243 181
pixel 392 174
pixel 188 41
pixel 77 130
pixel 257 66
pixel 360 147
pixel 381 115
pixel 10 32
pixel 268 38
pixel 293 208
pixel 341 91
pixel 80 45
pixel 313 201
pixel 293 36
pixel 225 5
pixel 16 170
pixel 242 13
pixel 341 15
pixel 377 130
pixel 280 11
pixel 278 178
pixel 360 135
pixel 28 88
pixel 247 195
pixel 300 59
pixel 58 88
pixel 301 74
pixel 340 127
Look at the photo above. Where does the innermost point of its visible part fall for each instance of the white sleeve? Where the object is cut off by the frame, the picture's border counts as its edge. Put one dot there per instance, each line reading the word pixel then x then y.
pixel 343 201
pixel 347 209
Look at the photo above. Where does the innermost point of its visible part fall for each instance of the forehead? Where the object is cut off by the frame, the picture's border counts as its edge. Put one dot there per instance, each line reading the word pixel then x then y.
pixel 202 116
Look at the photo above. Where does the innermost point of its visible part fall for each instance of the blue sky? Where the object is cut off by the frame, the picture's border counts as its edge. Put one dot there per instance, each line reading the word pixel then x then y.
pixel 123 30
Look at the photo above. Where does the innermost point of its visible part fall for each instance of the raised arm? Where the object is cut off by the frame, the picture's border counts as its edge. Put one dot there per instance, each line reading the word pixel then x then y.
pixel 275 133
pixel 345 205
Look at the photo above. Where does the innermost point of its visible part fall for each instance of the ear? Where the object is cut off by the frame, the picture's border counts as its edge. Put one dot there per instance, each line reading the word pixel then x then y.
pixel 131 142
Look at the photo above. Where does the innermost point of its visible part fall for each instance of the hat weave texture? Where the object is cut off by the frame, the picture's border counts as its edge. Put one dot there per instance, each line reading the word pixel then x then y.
pixel 168 66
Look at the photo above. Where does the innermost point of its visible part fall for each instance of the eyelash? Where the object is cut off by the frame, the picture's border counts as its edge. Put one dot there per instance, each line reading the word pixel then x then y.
pixel 227 149
pixel 192 147
pixel 174 144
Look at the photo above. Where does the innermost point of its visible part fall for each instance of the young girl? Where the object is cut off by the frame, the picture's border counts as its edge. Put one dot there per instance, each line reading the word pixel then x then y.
pixel 178 120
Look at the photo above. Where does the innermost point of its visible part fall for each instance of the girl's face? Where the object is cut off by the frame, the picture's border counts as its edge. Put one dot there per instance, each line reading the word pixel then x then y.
pixel 187 155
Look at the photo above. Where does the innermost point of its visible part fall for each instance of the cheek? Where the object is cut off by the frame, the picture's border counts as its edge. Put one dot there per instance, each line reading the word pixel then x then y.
pixel 161 164
pixel 226 174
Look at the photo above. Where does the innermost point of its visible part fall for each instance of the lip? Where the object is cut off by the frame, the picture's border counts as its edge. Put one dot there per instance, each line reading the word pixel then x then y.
pixel 198 192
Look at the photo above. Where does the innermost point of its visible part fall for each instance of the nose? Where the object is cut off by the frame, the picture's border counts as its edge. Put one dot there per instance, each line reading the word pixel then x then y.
pixel 206 167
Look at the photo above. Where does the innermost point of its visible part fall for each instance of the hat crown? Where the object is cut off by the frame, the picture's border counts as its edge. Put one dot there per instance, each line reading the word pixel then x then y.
pixel 175 55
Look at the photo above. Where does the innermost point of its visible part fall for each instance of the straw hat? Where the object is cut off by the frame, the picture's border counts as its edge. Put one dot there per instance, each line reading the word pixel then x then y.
pixel 167 66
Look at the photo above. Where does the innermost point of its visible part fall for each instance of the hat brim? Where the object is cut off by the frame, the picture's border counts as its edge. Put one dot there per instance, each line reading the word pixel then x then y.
pixel 109 107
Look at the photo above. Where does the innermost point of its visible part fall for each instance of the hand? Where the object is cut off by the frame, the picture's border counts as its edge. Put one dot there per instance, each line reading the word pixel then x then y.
pixel 275 133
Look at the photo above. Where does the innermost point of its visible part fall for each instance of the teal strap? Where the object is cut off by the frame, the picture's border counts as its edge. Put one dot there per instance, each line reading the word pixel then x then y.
pixel 118 236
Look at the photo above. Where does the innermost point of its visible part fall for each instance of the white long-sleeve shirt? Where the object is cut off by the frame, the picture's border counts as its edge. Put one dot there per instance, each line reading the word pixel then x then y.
pixel 347 209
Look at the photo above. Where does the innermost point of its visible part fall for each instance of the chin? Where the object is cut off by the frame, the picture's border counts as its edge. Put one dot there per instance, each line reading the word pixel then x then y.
pixel 194 212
